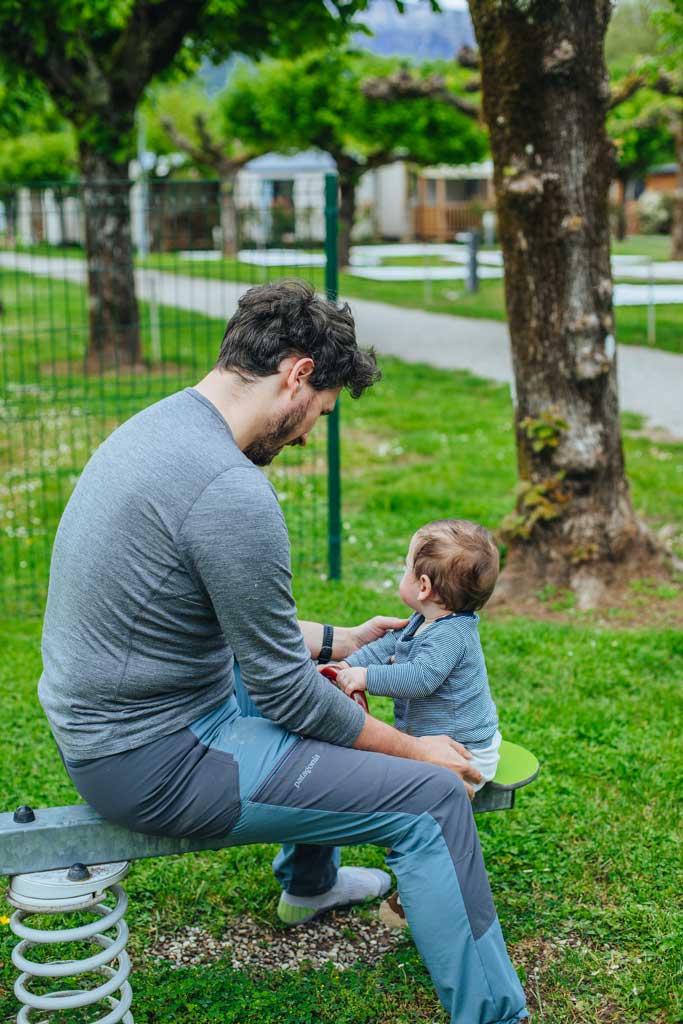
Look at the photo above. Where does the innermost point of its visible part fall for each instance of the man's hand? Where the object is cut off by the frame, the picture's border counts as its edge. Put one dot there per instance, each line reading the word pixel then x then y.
pixel 438 750
pixel 373 629
pixel 350 680
pixel 338 665
pixel 448 753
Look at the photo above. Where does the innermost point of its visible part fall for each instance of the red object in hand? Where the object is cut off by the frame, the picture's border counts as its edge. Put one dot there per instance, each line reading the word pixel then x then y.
pixel 331 673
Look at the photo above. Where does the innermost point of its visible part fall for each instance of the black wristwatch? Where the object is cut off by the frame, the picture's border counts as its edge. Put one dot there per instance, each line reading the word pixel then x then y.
pixel 326 649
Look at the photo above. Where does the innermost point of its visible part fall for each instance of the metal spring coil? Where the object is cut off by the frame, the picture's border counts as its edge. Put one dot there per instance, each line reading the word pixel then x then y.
pixel 112 949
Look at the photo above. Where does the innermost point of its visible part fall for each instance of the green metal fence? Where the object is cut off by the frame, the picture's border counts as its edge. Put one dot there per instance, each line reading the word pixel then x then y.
pixel 58 402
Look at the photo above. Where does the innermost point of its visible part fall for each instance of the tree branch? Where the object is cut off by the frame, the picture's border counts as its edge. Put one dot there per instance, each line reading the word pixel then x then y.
pixel 152 37
pixel 227 164
pixel 382 159
pixel 195 153
pixel 402 85
pixel 627 88
pixel 208 144
pixel 208 153
pixel 467 57
pixel 663 83
pixel 666 85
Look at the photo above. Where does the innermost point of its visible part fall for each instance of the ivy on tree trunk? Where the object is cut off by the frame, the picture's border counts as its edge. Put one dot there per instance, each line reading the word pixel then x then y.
pixel 545 95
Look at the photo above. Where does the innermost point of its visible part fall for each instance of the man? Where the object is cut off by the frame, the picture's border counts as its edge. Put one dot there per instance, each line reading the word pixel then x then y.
pixel 171 560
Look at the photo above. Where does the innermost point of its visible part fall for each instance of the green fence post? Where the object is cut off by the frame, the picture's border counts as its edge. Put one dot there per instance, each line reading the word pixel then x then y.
pixel 333 458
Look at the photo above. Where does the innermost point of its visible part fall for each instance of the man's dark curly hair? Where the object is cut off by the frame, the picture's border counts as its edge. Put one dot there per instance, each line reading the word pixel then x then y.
pixel 287 318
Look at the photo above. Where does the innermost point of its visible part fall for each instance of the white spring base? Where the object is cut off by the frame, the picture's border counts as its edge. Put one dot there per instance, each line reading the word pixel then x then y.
pixel 54 892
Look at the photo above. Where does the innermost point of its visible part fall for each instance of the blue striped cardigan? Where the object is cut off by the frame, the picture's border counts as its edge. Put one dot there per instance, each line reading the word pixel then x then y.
pixel 438 678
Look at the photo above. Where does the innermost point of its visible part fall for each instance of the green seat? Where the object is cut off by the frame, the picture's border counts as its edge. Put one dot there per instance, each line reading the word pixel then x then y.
pixel 517 767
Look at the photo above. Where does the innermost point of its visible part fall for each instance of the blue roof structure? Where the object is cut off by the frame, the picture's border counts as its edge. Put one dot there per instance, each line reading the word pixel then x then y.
pixel 279 163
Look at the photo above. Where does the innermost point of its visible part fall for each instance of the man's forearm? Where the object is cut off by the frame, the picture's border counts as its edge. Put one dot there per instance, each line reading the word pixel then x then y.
pixel 441 751
pixel 384 739
pixel 342 641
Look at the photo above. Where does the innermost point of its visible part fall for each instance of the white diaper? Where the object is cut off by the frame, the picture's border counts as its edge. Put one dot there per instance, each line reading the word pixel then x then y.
pixel 486 760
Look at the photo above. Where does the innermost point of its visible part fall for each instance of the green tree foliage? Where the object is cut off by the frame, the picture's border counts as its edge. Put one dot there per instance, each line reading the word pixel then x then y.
pixel 95 59
pixel 640 139
pixel 668 19
pixel 25 106
pixel 36 144
pixel 182 118
pixel 640 136
pixel 180 104
pixel 663 75
pixel 318 101
pixel 38 157
pixel 646 118
pixel 632 33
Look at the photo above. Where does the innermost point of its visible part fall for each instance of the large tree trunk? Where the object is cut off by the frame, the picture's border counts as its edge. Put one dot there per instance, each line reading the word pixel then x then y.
pixel 113 309
pixel 347 215
pixel 545 90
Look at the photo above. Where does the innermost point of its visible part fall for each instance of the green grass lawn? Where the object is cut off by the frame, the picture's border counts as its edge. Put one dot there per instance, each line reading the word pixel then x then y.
pixel 449 297
pixel 586 869
pixel 53 415
pixel 657 247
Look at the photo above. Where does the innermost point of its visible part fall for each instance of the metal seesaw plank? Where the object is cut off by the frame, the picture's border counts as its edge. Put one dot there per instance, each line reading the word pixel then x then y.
pixel 62 836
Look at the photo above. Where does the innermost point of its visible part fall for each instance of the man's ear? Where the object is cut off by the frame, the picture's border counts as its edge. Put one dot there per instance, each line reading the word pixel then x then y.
pixel 299 373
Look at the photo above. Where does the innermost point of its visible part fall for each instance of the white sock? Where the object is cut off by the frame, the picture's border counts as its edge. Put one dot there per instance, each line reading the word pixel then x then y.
pixel 353 885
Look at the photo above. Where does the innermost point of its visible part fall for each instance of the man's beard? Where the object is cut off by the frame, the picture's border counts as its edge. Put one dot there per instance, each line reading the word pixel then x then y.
pixel 263 450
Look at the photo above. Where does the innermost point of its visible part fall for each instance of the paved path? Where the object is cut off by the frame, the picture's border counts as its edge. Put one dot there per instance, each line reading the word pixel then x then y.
pixel 650 381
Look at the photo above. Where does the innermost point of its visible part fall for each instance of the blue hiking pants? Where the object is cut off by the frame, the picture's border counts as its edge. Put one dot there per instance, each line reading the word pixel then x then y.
pixel 244 777
pixel 301 870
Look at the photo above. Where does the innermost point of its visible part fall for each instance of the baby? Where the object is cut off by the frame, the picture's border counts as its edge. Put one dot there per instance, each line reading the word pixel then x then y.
pixel 434 668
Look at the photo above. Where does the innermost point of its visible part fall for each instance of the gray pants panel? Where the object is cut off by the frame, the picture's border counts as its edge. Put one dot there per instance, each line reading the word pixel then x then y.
pixel 173 786
pixel 320 776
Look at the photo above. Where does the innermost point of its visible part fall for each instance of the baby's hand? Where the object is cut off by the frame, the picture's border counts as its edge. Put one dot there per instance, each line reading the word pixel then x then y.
pixel 350 680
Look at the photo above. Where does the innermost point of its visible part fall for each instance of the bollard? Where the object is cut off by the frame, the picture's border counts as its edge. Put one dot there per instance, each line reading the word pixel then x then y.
pixel 472 261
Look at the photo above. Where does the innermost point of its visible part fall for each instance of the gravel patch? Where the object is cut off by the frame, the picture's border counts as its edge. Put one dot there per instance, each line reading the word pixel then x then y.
pixel 337 938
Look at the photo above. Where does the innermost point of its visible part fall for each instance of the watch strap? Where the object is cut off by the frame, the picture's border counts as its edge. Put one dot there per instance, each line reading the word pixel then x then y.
pixel 326 648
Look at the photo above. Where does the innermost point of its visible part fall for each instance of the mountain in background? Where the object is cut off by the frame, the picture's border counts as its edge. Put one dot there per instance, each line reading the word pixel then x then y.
pixel 419 33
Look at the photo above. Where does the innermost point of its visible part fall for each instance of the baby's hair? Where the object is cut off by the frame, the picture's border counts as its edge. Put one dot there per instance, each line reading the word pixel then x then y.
pixel 461 560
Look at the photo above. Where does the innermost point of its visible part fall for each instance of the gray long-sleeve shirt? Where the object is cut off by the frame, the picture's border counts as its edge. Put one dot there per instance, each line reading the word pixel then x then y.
pixel 172 556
